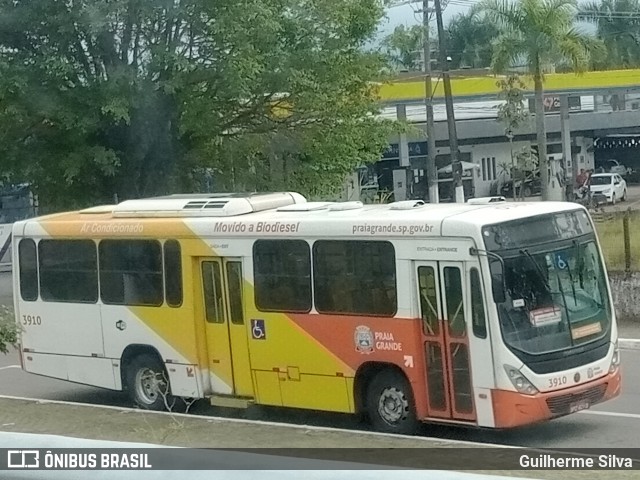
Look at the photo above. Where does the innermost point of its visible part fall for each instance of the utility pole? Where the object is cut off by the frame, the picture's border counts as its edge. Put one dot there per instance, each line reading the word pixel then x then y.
pixel 432 174
pixel 509 135
pixel 456 166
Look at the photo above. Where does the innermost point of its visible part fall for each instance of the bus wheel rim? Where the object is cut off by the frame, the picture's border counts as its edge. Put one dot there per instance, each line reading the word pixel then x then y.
pixel 392 405
pixel 147 385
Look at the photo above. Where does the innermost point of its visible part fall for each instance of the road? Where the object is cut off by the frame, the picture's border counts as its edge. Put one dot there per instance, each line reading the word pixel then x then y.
pixel 6 290
pixel 614 424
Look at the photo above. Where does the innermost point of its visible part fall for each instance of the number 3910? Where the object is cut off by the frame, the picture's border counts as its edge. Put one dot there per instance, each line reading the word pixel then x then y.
pixel 557 381
pixel 31 320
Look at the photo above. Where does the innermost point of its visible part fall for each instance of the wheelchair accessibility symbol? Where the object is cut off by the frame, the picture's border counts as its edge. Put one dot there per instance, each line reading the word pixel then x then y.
pixel 258 330
pixel 561 262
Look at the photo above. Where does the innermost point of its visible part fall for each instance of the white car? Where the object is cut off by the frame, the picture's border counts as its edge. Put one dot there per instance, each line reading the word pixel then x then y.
pixel 611 185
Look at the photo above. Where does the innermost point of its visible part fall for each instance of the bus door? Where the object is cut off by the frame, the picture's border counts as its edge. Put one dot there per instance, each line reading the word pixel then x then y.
pixel 443 309
pixel 225 331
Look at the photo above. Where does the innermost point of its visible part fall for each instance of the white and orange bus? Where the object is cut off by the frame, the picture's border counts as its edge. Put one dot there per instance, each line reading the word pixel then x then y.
pixel 487 314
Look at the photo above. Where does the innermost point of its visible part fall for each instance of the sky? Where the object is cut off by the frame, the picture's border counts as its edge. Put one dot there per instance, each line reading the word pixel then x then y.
pixel 406 15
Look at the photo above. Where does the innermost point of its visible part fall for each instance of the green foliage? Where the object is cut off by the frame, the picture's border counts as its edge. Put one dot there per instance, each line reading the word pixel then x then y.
pixel 538 34
pixel 377 197
pixel 136 98
pixel 312 160
pixel 526 159
pixel 618 26
pixel 470 36
pixel 9 329
pixel 513 112
pixel 404 47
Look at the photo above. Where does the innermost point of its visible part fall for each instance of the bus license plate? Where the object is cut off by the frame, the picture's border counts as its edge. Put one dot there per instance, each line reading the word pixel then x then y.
pixel 576 407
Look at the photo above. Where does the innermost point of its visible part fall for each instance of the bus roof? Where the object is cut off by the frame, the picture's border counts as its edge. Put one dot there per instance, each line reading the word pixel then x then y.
pixel 281 214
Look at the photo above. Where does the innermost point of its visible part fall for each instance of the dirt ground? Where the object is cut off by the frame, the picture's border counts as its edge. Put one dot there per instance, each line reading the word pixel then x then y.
pixel 201 432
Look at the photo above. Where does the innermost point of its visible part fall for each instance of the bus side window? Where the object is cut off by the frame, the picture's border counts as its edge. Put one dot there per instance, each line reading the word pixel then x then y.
pixel 428 300
pixel 131 272
pixel 455 302
pixel 68 271
pixel 28 270
pixel 172 273
pixel 282 273
pixel 477 306
pixel 213 292
pixel 234 282
pixel 355 277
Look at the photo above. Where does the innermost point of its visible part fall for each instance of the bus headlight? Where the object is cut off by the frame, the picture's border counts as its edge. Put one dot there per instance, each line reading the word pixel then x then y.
pixel 519 381
pixel 615 361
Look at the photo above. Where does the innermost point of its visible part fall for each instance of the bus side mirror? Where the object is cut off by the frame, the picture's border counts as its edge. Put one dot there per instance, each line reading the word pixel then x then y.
pixel 497 280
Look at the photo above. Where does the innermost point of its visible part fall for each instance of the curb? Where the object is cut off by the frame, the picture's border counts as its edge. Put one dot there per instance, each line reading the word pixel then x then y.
pixel 307 429
pixel 629 343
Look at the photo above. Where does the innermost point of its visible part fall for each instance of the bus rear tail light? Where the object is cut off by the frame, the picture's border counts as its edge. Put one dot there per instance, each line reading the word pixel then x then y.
pixel 615 361
pixel 519 381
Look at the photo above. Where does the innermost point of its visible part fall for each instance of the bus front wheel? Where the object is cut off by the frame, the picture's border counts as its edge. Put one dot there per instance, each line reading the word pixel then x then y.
pixel 390 403
pixel 147 383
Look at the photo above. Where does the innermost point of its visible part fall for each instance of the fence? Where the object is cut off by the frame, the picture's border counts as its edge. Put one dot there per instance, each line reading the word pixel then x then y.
pixel 619 234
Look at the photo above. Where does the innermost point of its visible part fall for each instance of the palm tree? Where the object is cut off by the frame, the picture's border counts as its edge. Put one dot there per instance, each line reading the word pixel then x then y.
pixel 470 35
pixel 403 46
pixel 618 24
pixel 539 33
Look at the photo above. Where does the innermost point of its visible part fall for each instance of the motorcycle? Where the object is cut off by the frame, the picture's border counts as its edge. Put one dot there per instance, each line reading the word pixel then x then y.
pixel 584 196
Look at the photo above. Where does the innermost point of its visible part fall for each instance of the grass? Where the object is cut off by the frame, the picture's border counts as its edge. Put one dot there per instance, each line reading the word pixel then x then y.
pixel 610 233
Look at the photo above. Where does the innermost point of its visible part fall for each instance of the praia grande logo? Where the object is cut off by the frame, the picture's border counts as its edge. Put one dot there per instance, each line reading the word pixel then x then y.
pixel 363 338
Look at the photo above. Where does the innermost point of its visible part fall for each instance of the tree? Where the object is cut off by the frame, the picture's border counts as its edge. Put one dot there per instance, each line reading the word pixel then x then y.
pixel 470 37
pixel 9 330
pixel 136 98
pixel 513 113
pixel 526 160
pixel 539 33
pixel 404 47
pixel 618 25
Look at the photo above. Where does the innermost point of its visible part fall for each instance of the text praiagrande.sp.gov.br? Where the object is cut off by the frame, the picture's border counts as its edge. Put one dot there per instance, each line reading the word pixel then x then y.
pixel 392 229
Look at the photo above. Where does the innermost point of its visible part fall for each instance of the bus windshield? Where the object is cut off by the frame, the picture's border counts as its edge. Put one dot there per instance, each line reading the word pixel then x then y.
pixel 555 298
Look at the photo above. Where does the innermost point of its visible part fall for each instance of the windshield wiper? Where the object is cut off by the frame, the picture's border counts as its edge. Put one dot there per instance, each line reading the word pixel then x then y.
pixel 538 269
pixel 566 308
pixel 573 287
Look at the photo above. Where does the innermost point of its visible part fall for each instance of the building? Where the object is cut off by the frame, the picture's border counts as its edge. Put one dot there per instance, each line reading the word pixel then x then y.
pixel 599 105
pixel 17 202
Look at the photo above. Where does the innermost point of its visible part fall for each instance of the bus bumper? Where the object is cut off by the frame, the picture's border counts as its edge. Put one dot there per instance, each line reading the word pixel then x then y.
pixel 513 409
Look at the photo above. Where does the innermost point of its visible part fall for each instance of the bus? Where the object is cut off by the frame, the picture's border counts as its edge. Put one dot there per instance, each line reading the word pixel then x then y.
pixel 487 314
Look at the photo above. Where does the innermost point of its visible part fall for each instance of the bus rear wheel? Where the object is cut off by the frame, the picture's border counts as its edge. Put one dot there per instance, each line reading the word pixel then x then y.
pixel 390 404
pixel 147 383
